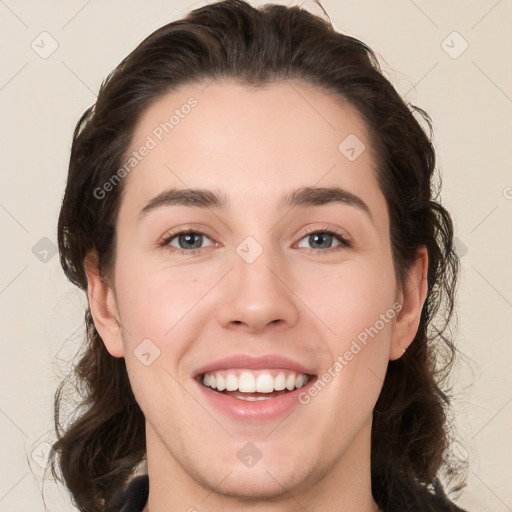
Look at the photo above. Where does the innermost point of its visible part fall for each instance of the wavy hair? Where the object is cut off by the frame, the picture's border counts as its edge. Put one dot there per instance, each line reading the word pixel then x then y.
pixel 101 448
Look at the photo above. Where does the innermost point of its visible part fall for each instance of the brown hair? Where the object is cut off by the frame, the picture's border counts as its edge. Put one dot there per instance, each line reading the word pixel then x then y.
pixel 99 450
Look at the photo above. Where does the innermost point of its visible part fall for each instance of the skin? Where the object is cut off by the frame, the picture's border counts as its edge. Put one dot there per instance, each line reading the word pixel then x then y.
pixel 295 300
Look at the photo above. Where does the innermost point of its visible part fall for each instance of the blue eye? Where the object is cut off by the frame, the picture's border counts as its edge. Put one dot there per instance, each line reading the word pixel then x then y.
pixel 189 242
pixel 323 240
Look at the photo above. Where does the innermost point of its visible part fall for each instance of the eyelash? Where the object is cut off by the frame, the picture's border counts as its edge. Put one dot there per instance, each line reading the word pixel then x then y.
pixel 345 242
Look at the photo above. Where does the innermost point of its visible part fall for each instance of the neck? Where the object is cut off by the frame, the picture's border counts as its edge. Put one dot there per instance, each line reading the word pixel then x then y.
pixel 344 483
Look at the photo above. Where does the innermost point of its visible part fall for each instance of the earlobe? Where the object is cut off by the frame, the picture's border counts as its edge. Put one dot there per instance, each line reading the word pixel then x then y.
pixel 412 297
pixel 103 307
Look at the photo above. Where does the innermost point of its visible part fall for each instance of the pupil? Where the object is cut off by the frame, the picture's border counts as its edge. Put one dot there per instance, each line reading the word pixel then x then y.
pixel 189 237
pixel 314 238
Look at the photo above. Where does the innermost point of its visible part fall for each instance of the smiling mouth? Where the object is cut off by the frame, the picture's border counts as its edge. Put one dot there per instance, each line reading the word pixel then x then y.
pixel 254 385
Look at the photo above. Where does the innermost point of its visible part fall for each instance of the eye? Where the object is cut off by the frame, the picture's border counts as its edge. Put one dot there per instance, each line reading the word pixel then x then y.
pixel 189 242
pixel 186 241
pixel 323 240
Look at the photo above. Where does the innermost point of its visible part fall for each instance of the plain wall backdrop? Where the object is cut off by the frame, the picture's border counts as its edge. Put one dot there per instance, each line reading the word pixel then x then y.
pixel 451 58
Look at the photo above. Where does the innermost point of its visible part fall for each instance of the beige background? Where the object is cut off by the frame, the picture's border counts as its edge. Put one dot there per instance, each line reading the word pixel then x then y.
pixel 469 98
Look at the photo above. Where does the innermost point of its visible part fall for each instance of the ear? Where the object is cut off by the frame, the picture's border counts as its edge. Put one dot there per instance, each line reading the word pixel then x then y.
pixel 412 297
pixel 102 303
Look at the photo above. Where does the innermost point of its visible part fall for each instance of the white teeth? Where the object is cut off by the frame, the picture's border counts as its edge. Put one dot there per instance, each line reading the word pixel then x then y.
pixel 231 382
pixel 221 383
pixel 253 398
pixel 280 382
pixel 246 383
pixel 290 382
pixel 260 381
pixel 264 383
pixel 299 381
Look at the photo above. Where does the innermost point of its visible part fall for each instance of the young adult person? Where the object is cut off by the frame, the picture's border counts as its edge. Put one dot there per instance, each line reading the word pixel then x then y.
pixel 250 209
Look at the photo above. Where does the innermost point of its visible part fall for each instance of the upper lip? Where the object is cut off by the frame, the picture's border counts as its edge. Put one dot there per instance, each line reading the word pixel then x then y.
pixel 268 361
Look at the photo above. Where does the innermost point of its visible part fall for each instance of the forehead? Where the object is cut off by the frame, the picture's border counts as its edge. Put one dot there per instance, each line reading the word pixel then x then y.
pixel 249 142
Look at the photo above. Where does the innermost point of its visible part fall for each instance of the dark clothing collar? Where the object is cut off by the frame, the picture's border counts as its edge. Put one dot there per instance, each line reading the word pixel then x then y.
pixel 135 497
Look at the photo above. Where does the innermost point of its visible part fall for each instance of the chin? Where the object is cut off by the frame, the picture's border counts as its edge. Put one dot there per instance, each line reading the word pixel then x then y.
pixel 255 485
pixel 270 478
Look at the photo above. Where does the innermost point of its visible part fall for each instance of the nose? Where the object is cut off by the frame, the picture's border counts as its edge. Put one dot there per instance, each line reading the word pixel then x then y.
pixel 259 296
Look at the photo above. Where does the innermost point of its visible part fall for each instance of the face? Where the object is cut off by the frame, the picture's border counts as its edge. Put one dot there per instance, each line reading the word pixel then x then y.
pixel 280 295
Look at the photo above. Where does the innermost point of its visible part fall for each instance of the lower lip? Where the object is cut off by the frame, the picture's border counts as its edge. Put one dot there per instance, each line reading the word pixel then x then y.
pixel 259 410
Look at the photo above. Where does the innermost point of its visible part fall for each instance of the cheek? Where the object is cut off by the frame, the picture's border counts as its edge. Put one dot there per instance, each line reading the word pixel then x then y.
pixel 352 379
pixel 153 300
pixel 356 306
pixel 350 298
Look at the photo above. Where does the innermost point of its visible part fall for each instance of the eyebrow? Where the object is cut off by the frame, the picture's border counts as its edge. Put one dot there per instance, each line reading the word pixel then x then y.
pixel 204 198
